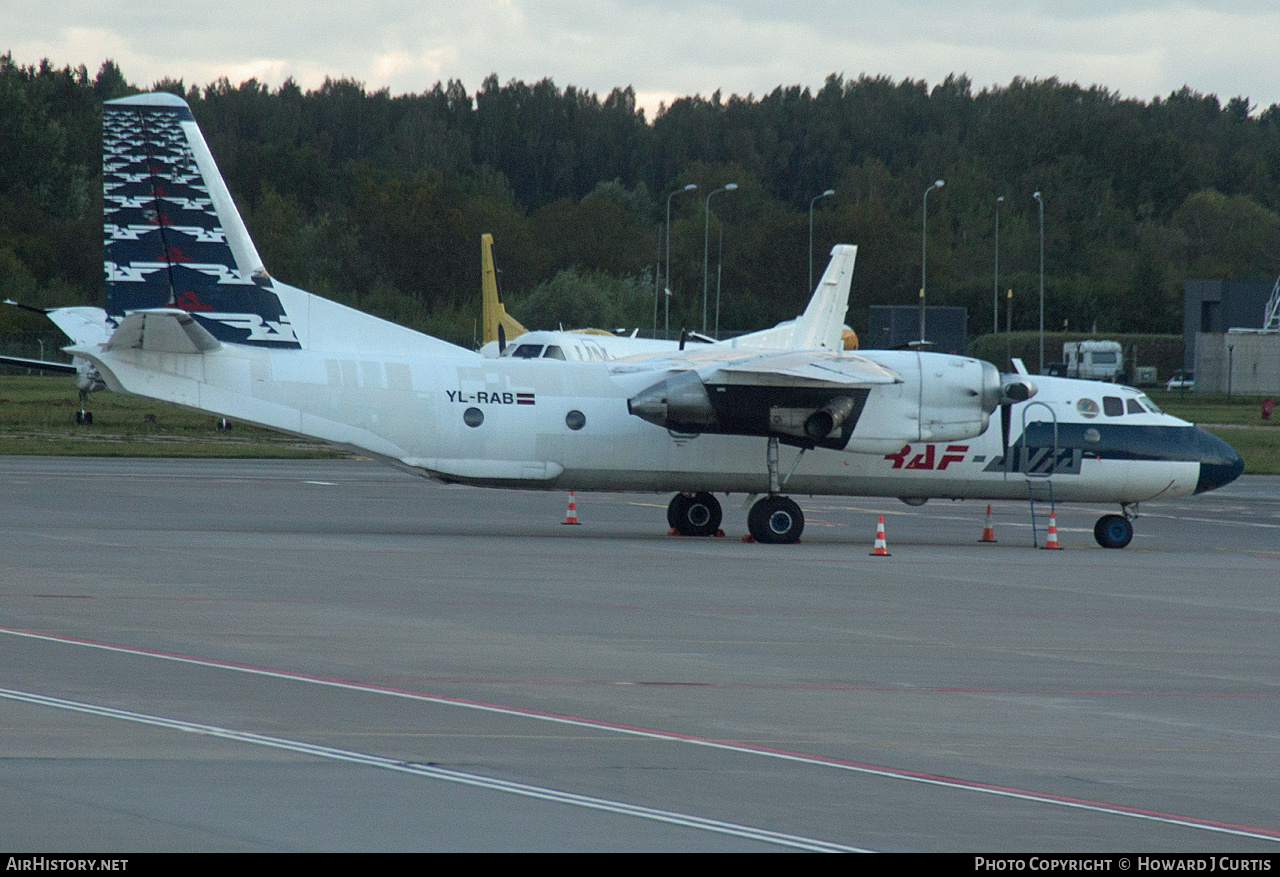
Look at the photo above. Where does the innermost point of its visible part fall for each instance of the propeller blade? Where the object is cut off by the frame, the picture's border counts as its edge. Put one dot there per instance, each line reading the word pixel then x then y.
pixel 1006 414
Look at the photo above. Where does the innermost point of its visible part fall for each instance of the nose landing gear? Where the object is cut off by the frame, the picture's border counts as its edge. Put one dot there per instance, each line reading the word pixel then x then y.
pixel 1116 531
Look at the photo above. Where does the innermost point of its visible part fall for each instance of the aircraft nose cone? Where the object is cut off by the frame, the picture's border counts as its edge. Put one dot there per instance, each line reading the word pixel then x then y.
pixel 1219 463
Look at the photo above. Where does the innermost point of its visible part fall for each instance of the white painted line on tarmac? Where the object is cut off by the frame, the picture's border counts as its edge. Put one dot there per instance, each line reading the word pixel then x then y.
pixel 1103 807
pixel 439 773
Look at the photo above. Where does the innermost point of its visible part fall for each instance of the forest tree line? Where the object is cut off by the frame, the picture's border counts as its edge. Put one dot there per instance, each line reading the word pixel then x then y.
pixel 379 201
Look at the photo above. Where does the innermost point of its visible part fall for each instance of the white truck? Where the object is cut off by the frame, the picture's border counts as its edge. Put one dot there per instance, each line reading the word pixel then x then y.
pixel 1093 360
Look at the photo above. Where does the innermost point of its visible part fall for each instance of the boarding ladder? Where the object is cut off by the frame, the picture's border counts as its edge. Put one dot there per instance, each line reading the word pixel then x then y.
pixel 1039 477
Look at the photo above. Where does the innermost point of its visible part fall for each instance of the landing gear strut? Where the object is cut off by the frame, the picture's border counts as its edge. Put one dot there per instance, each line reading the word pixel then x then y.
pixel 84 418
pixel 698 514
pixel 775 520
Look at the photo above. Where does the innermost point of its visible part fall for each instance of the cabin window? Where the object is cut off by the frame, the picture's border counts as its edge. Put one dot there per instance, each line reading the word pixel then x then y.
pixel 575 420
pixel 553 351
pixel 1087 407
pixel 473 417
pixel 1112 406
pixel 527 351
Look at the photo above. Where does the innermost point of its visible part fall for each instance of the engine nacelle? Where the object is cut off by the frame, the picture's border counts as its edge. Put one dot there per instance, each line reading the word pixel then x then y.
pixel 806 416
pixel 680 402
pixel 942 398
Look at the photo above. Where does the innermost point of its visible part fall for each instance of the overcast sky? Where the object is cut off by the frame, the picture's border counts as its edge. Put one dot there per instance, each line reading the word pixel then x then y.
pixel 665 48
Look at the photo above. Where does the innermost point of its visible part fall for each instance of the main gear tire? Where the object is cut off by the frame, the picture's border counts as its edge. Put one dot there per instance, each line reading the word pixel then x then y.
pixel 697 515
pixel 775 520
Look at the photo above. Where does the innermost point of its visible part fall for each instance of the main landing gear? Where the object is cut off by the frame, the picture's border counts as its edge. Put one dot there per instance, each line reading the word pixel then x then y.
pixel 84 418
pixel 773 519
pixel 697 514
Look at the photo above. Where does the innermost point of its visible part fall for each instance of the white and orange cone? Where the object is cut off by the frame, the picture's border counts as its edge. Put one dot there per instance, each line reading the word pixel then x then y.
pixel 1051 540
pixel 571 516
pixel 988 531
pixel 880 549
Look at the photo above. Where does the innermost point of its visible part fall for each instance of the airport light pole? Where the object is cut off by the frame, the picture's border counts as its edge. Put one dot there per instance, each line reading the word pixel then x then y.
pixel 1040 201
pixel 706 247
pixel 666 329
pixel 924 240
pixel 826 194
pixel 995 286
pixel 719 267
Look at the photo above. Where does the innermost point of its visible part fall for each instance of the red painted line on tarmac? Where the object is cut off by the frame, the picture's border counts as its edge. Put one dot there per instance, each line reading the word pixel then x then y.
pixel 1264 833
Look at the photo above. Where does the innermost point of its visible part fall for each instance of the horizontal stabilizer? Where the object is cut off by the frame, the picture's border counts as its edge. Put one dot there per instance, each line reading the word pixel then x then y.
pixel 162 330
pixel 62 368
pixel 83 325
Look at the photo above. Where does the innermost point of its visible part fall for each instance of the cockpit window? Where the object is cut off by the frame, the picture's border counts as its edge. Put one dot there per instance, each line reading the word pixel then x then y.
pixel 1149 405
pixel 1133 406
pixel 1112 406
pixel 553 351
pixel 527 351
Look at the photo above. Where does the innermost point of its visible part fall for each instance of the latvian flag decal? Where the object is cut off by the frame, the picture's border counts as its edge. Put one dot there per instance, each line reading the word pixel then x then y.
pixel 524 398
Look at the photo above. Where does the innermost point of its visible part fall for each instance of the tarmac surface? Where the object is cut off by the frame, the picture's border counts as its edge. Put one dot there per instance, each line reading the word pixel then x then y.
pixel 231 655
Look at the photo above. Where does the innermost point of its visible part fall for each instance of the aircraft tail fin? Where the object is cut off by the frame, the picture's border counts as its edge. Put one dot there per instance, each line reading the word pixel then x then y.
pixel 173 235
pixel 821 326
pixel 492 312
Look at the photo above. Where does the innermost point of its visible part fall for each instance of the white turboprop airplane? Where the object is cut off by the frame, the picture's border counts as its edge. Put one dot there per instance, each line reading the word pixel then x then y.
pixel 201 324
pixel 820 327
pixel 84 326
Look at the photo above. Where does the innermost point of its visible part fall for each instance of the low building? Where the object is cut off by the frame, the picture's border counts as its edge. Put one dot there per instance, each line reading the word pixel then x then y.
pixel 1247 363
pixel 1214 306
pixel 895 326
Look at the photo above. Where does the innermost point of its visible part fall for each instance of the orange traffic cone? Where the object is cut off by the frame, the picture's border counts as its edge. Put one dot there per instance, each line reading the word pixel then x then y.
pixel 1051 540
pixel 571 516
pixel 880 549
pixel 988 531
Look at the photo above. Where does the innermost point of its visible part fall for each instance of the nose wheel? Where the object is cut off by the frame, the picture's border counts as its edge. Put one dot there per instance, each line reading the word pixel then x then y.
pixel 698 514
pixel 1113 531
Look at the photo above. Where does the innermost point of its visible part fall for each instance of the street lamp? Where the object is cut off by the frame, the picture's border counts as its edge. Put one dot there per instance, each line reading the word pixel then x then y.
pixel 826 194
pixel 706 246
pixel 995 286
pixel 924 239
pixel 666 329
pixel 1040 201
pixel 719 266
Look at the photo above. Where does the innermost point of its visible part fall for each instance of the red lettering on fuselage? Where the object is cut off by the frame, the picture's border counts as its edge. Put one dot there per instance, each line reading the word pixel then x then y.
pixel 927 459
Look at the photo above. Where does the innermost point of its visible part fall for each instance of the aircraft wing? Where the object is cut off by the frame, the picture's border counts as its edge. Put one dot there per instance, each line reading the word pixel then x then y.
pixel 803 368
pixel 717 364
pixel 65 368
pixel 808 398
